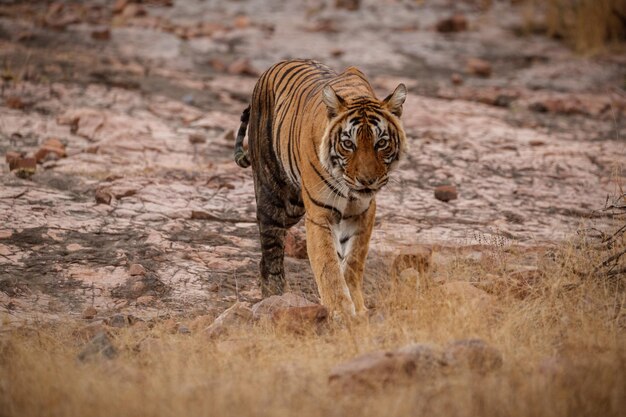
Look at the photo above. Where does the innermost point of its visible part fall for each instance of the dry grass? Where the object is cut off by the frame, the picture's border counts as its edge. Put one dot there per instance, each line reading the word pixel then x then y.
pixel 588 26
pixel 560 330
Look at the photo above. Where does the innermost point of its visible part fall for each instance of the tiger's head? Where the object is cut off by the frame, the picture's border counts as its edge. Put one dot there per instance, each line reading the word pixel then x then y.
pixel 364 139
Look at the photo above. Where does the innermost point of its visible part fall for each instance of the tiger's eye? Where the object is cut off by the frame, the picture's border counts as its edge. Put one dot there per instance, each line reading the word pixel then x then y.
pixel 348 144
pixel 381 144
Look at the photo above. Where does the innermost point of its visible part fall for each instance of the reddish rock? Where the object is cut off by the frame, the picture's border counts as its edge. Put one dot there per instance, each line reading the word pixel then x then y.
pixel 241 22
pixel 446 193
pixel 133 10
pixel 51 149
pixel 12 158
pixel 238 314
pixel 384 369
pixel 295 244
pixel 89 313
pixel 104 195
pixel 14 102
pixel 119 6
pixel 197 138
pixel 479 67
pixel 146 300
pixel 455 23
pixel 242 66
pixel 337 52
pixel 351 5
pixel 473 354
pixel 267 306
pixel 24 167
pixel 136 269
pixel 101 34
pixel 456 79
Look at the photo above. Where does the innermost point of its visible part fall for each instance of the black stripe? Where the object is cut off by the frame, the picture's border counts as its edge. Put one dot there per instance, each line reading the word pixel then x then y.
pixel 334 210
pixel 328 184
pixel 323 226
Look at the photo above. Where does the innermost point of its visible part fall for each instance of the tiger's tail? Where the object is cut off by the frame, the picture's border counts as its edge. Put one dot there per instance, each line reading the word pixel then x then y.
pixel 241 156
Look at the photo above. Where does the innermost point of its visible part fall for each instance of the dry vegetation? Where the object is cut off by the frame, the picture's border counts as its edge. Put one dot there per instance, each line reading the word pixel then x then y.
pixel 586 25
pixel 560 328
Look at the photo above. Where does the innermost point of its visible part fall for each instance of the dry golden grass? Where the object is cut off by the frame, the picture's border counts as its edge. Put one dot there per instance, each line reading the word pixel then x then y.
pixel 561 334
pixel 588 26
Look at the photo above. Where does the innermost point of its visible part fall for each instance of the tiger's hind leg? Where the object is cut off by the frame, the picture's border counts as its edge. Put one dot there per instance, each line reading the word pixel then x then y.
pixel 275 216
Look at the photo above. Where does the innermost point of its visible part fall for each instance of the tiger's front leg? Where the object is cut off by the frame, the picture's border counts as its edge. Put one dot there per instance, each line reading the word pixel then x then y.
pixel 354 244
pixel 334 292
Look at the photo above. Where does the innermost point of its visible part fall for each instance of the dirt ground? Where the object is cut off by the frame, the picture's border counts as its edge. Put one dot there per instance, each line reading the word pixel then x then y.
pixel 145 100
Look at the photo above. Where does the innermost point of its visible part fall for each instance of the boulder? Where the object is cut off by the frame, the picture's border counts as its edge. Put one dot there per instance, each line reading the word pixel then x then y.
pixel 99 346
pixel 384 369
pixel 268 306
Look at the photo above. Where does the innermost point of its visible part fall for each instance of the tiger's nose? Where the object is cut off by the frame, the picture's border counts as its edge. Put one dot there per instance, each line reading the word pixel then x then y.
pixel 366 181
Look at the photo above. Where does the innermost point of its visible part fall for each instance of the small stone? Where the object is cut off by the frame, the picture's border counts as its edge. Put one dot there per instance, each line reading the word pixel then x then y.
pixel 474 354
pixel 455 23
pixel 536 142
pixel 101 34
pixel 182 329
pixel 25 167
pixel 456 79
pixel 146 300
pixel 51 149
pixel 89 313
pixel 337 52
pixel 242 66
pixel 136 269
pixel 479 67
pixel 238 314
pixel 446 193
pixel 229 136
pixel 101 346
pixel 351 5
pixel 104 195
pixel 12 159
pixel 197 138
pixel 295 244
pixel 14 102
pixel 241 22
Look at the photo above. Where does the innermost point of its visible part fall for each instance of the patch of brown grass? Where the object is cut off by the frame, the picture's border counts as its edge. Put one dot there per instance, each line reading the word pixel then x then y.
pixel 562 340
pixel 588 26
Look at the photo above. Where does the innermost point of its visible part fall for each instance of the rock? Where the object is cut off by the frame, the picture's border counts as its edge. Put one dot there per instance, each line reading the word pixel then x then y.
pixel 14 102
pixel 119 6
pixel 24 167
pixel 197 138
pixel 51 149
pixel 238 314
pixel 385 369
pixel 89 313
pixel 12 159
pixel 300 319
pixel 266 307
pixel 456 79
pixel 446 193
pixel 242 66
pixel 454 23
pixel 136 269
pixel 104 195
pixel 473 354
pixel 337 52
pixel 351 5
pixel 101 34
pixel 182 329
pixel 241 22
pixel 295 244
pixel 133 10
pixel 479 67
pixel 146 300
pixel 99 346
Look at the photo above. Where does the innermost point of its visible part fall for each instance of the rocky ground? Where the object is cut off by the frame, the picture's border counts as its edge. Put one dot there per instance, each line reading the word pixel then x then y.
pixel 136 207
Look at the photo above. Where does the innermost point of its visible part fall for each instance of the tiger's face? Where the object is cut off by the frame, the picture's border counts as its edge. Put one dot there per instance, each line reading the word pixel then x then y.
pixel 364 140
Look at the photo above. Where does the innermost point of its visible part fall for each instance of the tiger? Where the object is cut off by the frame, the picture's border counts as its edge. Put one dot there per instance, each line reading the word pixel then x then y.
pixel 321 144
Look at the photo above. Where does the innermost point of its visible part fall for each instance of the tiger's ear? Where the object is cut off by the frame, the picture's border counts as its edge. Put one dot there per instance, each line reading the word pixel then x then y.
pixel 334 103
pixel 395 100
